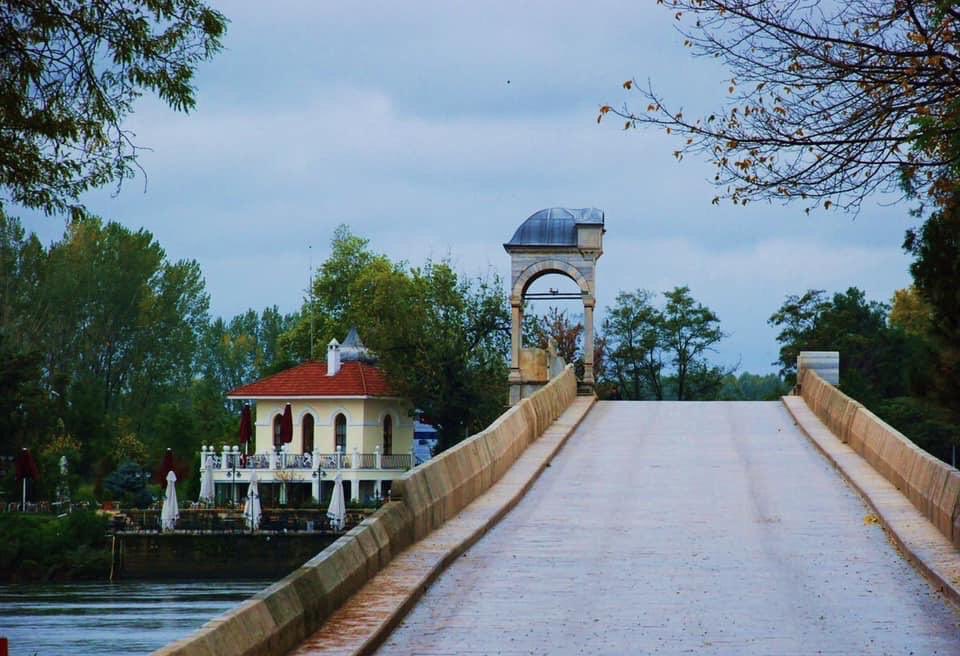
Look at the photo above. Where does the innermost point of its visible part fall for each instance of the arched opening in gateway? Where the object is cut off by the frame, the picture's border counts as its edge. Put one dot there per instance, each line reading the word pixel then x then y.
pixel 553 306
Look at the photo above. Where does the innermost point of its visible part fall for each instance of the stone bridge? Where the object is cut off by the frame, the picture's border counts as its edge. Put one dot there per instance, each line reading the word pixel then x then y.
pixel 797 527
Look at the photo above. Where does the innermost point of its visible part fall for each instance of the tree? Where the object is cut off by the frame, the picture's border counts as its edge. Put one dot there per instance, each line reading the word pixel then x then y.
pixel 102 329
pixel 329 312
pixel 643 338
pixel 632 332
pixel 439 337
pixel 828 102
pixel 556 325
pixel 936 270
pixel 797 319
pixel 877 361
pixel 236 352
pixel 887 362
pixel 70 73
pixel 441 340
pixel 911 312
pixel 689 329
pixel 128 483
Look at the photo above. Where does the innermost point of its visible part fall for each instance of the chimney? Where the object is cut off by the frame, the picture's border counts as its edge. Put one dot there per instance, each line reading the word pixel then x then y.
pixel 333 357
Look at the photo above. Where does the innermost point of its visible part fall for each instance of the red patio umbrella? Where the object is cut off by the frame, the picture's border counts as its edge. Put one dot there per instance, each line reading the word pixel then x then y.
pixel 26 467
pixel 166 466
pixel 286 425
pixel 246 426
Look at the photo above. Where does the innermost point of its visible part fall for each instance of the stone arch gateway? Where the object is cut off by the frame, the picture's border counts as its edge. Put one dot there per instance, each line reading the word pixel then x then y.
pixel 561 241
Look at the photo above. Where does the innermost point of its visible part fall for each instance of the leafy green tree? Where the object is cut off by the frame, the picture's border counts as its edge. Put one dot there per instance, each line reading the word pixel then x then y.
pixel 70 73
pixel 911 312
pixel 101 327
pixel 26 407
pixel 236 352
pixel 688 331
pixel 441 340
pixel 936 270
pixel 877 360
pixel 329 312
pixel 635 356
pixel 129 484
pixel 643 341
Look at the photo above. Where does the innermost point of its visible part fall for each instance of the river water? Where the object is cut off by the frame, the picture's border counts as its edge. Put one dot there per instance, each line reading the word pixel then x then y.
pixel 102 619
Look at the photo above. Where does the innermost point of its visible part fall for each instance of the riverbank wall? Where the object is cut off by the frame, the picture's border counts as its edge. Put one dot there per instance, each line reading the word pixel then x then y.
pixel 212 556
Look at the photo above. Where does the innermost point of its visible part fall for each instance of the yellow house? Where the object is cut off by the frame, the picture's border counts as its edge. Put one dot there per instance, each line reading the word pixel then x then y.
pixel 344 416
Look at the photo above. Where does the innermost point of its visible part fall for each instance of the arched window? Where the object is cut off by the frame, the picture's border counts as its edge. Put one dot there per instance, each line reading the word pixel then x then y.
pixel 387 435
pixel 340 433
pixel 277 422
pixel 307 427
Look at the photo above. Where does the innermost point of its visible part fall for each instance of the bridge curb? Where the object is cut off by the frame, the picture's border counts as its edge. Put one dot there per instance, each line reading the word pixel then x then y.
pixel 919 541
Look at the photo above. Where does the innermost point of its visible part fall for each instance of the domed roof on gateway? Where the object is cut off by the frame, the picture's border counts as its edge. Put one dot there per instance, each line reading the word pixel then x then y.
pixel 556 226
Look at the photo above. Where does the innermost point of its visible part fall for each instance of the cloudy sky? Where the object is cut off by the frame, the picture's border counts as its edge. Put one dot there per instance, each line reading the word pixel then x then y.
pixel 435 128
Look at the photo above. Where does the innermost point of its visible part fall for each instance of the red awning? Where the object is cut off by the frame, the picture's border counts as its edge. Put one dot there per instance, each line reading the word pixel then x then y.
pixel 26 466
pixel 246 424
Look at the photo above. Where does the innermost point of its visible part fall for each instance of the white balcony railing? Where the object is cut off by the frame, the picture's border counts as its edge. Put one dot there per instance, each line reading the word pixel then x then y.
pixel 230 459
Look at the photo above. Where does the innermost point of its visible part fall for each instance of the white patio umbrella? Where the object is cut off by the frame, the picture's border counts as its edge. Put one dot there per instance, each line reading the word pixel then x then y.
pixel 206 481
pixel 251 509
pixel 170 513
pixel 337 512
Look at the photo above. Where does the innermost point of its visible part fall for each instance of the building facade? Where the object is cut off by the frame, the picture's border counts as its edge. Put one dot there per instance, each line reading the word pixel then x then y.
pixel 341 416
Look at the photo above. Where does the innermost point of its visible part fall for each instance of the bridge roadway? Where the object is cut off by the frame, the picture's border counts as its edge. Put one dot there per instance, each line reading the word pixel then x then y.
pixel 669 528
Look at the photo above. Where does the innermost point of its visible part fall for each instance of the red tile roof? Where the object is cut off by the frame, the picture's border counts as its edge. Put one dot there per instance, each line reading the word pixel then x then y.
pixel 310 380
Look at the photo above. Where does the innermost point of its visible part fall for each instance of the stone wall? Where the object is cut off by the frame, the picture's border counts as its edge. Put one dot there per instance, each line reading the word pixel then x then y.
pixel 215 555
pixel 280 617
pixel 931 485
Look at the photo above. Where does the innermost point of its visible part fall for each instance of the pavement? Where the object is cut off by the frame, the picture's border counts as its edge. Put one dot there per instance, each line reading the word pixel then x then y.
pixel 675 528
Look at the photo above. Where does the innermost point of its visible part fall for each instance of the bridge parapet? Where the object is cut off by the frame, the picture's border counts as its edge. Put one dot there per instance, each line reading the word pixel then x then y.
pixel 932 486
pixel 280 617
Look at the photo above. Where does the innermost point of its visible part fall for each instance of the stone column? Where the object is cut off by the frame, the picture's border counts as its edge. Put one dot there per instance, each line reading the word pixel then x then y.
pixel 516 328
pixel 588 303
